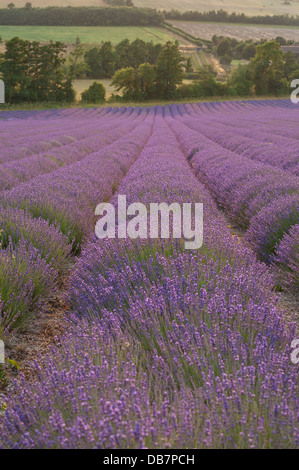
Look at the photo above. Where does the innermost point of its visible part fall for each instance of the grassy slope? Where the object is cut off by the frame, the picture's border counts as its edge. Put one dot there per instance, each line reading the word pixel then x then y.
pixel 92 34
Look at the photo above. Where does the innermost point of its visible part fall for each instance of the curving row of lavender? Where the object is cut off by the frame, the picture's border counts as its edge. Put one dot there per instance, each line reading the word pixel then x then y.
pixel 231 133
pixel 262 199
pixel 49 215
pixel 90 136
pixel 165 347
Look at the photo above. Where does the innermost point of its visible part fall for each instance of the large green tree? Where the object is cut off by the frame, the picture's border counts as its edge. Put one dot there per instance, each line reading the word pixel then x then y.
pixel 136 84
pixel 77 66
pixel 14 69
pixel 101 61
pixel 93 62
pixel 169 70
pixel 133 54
pixel 107 57
pixel 224 47
pixel 125 80
pixel 146 81
pixel 291 64
pixel 33 72
pixel 268 69
pixel 94 94
pixel 240 82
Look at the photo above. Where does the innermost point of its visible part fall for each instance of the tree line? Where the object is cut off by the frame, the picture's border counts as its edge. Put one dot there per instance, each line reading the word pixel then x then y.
pixel 33 72
pixel 80 16
pixel 269 72
pixel 228 49
pixel 222 16
pixel 120 14
pixel 140 71
pixel 104 60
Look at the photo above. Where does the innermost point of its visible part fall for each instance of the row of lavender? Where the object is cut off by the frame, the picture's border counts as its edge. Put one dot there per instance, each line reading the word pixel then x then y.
pixel 27 136
pixel 32 138
pixel 44 220
pixel 85 138
pixel 275 139
pixel 262 199
pixel 167 347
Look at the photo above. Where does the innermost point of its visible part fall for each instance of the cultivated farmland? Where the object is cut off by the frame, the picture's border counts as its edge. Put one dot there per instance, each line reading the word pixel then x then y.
pixel 252 7
pixel 61 3
pixel 206 30
pixel 160 346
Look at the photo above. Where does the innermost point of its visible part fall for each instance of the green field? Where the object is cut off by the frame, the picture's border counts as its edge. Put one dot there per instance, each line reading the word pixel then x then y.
pixel 87 34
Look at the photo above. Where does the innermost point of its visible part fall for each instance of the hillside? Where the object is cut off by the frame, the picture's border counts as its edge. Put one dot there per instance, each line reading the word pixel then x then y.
pixel 61 3
pixel 250 7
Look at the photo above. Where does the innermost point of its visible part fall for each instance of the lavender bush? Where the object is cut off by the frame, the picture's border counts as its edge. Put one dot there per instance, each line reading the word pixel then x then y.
pixel 25 278
pixel 246 189
pixel 18 225
pixel 286 257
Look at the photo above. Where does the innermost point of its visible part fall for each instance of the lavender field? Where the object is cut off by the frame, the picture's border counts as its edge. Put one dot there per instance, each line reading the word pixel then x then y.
pixel 162 347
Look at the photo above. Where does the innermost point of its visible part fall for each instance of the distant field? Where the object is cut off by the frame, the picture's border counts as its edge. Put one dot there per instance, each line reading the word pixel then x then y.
pixel 249 7
pixel 61 3
pixel 87 34
pixel 238 31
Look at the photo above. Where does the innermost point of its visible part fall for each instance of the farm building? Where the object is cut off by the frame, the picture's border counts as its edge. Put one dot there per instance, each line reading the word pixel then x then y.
pixel 190 48
pixel 294 49
pixel 187 48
